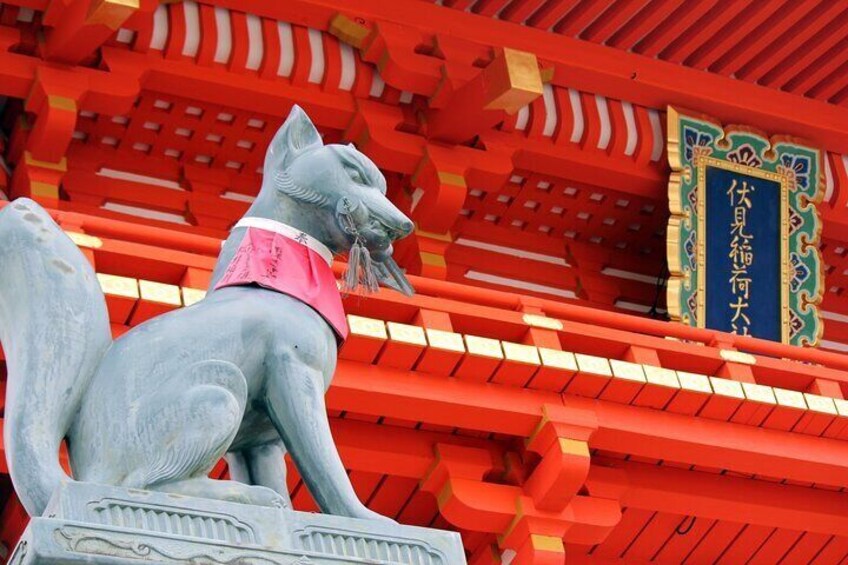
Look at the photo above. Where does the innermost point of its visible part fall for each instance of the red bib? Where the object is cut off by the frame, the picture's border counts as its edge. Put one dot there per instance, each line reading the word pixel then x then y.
pixel 277 261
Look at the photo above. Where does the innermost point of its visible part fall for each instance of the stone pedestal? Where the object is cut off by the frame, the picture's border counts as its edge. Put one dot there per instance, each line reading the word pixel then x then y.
pixel 96 524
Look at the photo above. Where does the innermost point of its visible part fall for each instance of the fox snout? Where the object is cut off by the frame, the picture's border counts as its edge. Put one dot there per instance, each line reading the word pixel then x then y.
pixel 385 226
pixel 392 221
pixel 397 228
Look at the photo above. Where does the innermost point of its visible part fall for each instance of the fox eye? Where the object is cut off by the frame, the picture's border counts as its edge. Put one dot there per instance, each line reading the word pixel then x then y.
pixel 355 176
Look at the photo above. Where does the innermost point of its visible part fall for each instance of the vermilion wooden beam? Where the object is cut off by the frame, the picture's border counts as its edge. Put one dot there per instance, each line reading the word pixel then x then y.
pixel 718 497
pixel 510 81
pixel 99 91
pixel 81 26
pixel 621 428
pixel 596 68
pixel 217 86
pixel 402 452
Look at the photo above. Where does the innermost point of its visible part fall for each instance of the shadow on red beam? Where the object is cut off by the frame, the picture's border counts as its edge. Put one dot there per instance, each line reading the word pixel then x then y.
pixel 378 391
pixel 403 452
pixel 216 86
pixel 109 92
pixel 644 432
pixel 718 497
pixel 584 165
pixel 18 71
pixel 491 508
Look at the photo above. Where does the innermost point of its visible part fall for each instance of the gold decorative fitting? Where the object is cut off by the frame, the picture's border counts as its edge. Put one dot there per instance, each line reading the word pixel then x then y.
pixel 118 286
pixel 348 31
pixel 160 292
pixel 726 387
pixel 483 346
pixel 448 341
pixel 62 103
pixel 520 353
pixel 85 240
pixel 547 543
pixel 406 333
pixel 61 166
pixel 557 359
pixel 759 393
pixel 627 370
pixel 512 81
pixel 593 364
pixel 111 13
pixel 44 189
pixel 367 327
pixel 192 295
pixel 445 494
pixel 538 321
pixel 737 356
pixel 453 179
pixel 446 237
pixel 574 447
pixel 694 382
pixel 433 260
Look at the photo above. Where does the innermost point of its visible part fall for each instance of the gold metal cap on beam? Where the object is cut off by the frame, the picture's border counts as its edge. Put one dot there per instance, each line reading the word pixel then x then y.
pixel 111 13
pixel 512 80
pixel 348 31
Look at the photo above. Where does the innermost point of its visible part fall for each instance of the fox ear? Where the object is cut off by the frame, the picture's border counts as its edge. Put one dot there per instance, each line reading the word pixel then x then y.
pixel 296 136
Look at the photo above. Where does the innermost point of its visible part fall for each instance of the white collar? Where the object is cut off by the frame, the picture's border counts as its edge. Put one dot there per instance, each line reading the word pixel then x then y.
pixel 287 231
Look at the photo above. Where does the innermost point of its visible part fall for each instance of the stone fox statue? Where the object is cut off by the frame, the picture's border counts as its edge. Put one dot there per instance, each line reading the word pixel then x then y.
pixel 241 374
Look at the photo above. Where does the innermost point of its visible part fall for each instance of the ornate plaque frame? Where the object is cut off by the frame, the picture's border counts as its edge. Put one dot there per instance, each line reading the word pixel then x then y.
pixel 696 142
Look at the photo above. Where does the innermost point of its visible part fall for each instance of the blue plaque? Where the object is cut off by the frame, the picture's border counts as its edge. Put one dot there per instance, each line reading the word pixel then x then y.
pixel 744 255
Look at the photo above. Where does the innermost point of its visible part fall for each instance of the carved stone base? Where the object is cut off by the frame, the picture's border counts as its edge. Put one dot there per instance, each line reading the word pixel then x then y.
pixel 96 524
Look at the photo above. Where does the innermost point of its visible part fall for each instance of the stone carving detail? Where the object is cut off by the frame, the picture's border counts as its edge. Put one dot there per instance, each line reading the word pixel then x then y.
pixel 358 545
pixel 116 545
pixel 172 521
pixel 89 524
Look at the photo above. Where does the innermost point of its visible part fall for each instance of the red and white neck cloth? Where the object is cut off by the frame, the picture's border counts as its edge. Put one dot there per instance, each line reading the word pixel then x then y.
pixel 279 257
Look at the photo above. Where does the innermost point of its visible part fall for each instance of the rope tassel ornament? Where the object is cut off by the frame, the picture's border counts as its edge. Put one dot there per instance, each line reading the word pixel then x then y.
pixel 360 270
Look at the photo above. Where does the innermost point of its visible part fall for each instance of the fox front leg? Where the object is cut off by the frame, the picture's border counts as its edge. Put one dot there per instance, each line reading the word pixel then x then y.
pixel 295 403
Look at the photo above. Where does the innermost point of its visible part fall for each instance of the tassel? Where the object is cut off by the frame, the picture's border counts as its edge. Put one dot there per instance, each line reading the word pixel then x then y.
pixel 369 277
pixel 350 279
pixel 360 270
pixel 360 267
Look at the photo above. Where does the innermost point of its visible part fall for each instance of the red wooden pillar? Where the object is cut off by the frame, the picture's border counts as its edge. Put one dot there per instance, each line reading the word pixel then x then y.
pixel 13 522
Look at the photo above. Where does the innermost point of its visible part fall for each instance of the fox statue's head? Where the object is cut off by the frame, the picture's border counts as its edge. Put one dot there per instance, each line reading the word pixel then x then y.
pixel 337 195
